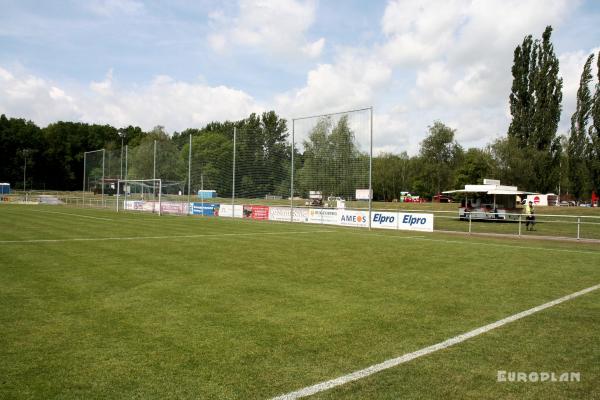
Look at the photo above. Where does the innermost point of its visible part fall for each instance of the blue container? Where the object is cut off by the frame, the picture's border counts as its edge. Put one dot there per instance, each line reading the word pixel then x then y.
pixel 207 194
pixel 4 188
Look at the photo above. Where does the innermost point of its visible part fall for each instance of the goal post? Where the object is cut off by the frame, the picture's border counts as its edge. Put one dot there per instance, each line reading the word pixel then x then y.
pixel 139 195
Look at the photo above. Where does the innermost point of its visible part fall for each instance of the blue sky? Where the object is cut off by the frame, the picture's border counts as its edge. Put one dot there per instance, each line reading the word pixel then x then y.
pixel 181 64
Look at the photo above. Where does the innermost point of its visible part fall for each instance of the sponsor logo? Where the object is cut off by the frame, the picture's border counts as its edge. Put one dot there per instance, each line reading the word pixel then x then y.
pixel 383 219
pixel 412 220
pixel 357 219
pixel 536 200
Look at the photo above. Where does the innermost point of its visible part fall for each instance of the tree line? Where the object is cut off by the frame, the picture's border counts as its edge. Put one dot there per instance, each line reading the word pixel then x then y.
pixel 532 155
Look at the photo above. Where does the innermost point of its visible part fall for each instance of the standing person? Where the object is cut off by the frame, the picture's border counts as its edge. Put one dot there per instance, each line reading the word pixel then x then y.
pixel 530 216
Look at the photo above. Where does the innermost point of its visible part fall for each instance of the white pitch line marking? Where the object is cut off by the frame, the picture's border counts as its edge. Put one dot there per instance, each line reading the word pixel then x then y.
pixel 73 215
pixel 393 362
pixel 158 237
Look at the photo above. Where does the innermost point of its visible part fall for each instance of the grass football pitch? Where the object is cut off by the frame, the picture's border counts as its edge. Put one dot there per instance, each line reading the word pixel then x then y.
pixel 95 304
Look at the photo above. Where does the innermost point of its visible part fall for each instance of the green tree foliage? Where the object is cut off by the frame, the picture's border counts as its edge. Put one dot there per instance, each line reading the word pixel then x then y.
pixel 18 138
pixel 476 165
pixel 594 134
pixel 262 156
pixel 65 144
pixel 212 155
pixel 439 155
pixel 578 144
pixel 535 105
pixel 392 174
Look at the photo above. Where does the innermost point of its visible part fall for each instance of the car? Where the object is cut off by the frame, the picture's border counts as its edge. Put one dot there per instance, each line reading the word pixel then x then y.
pixel 567 203
pixel 442 198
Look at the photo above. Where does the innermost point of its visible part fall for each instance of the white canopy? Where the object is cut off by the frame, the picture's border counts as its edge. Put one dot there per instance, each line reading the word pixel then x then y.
pixel 490 187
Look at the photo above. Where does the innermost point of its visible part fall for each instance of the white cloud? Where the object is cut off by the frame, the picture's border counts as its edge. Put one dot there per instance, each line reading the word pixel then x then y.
pixel 277 26
pixel 314 49
pixel 351 82
pixel 164 101
pixel 105 86
pixel 28 96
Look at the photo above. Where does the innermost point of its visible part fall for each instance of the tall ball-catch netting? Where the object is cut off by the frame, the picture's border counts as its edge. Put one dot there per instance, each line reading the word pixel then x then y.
pixel 157 157
pixel 263 152
pixel 334 157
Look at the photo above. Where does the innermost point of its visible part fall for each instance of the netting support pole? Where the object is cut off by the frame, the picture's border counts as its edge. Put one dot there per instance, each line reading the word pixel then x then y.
pixel 371 168
pixel 233 184
pixel 103 157
pixel 159 196
pixel 154 169
pixel 83 192
pixel 292 172
pixel 126 174
pixel 189 174
pixel 121 160
pixel 118 189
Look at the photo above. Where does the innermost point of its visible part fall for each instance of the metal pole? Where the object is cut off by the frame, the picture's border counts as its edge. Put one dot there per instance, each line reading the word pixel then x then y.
pixel 292 172
pixel 121 172
pixel 103 157
pixel 154 170
pixel 189 174
pixel 126 176
pixel 470 222
pixel 233 185
pixel 159 197
pixel 24 170
pixel 371 168
pixel 118 192
pixel 83 192
pixel 520 224
pixel 578 227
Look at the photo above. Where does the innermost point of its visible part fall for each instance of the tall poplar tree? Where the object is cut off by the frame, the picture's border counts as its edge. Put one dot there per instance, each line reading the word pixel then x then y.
pixel 535 105
pixel 578 146
pixel 594 133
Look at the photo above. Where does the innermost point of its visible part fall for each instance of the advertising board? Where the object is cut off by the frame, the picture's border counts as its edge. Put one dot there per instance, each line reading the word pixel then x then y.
pixel 174 207
pixel 205 209
pixel 415 222
pixel 353 218
pixel 228 210
pixel 283 214
pixel 385 220
pixel 323 216
pixel 256 212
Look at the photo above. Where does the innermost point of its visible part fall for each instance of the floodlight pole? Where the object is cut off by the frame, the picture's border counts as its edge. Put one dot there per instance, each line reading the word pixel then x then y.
pixel 233 184
pixel 189 173
pixel 371 169
pixel 292 172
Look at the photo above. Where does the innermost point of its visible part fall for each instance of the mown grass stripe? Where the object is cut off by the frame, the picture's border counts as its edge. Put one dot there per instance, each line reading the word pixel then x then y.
pixel 393 362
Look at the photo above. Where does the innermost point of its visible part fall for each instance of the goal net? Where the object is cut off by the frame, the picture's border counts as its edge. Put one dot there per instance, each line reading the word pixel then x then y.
pixel 139 195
